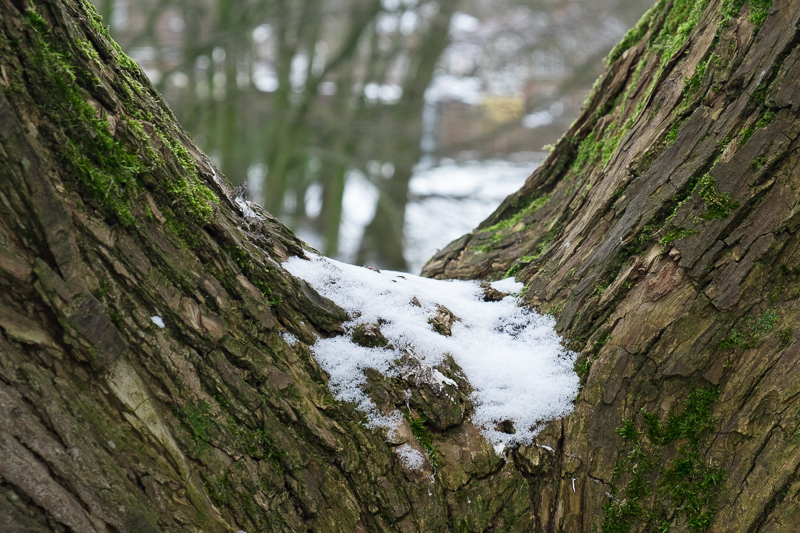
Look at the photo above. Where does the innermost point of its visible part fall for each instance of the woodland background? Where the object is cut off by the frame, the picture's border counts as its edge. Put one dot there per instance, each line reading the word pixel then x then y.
pixel 378 130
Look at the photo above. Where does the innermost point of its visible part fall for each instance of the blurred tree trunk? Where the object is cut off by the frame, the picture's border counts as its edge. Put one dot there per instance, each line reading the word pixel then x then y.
pixel 383 241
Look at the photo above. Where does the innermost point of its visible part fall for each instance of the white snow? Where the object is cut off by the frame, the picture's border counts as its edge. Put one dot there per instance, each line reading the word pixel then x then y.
pixel 509 285
pixel 412 458
pixel 158 321
pixel 511 356
pixel 290 339
pixel 244 207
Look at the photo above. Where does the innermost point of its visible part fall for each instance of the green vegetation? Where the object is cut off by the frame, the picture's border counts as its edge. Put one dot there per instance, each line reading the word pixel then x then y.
pixel 98 160
pixel 759 10
pixel 718 205
pixel 758 163
pixel 632 37
pixel 255 443
pixel 655 496
pixel 515 219
pixel 106 166
pixel 749 331
pixel 195 425
pixel 423 435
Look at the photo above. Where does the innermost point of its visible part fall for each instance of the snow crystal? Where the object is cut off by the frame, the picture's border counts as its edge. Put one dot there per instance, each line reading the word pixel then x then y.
pixel 412 458
pixel 158 321
pixel 511 356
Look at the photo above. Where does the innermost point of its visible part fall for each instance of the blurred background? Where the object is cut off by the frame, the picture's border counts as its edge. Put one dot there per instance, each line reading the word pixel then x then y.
pixel 378 130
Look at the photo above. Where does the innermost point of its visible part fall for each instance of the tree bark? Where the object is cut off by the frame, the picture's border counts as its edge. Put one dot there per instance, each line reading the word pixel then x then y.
pixel 662 234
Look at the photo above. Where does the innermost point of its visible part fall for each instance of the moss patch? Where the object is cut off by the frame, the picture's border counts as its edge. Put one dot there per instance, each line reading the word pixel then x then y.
pixel 656 495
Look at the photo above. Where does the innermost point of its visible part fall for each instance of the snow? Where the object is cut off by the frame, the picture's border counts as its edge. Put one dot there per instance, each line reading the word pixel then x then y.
pixel 290 339
pixel 511 356
pixel 158 321
pixel 508 285
pixel 450 200
pixel 244 207
pixel 410 457
pixel 445 87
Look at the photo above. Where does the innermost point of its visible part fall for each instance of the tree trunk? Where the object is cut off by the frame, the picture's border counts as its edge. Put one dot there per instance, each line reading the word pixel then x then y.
pixel 662 234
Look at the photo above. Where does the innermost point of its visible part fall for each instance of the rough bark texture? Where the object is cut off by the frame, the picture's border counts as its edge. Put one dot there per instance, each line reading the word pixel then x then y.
pixel 216 419
pixel 662 234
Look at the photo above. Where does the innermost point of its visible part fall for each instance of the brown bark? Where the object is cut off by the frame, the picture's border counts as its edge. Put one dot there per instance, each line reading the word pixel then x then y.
pixel 661 232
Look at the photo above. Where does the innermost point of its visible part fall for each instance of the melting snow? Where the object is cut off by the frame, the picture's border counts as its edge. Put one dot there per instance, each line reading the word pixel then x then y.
pixel 290 339
pixel 511 356
pixel 158 321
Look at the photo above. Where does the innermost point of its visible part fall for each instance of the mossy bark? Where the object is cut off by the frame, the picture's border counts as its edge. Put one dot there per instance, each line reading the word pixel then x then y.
pixel 662 234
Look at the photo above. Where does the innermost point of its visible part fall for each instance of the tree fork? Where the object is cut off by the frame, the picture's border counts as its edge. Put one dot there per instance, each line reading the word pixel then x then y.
pixel 661 232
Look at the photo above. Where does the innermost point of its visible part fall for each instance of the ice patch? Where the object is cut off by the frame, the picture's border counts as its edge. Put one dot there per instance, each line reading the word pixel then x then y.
pixel 511 356
pixel 412 458
pixel 158 321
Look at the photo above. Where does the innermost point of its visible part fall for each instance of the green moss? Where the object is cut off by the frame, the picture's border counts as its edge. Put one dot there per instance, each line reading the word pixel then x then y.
pixel 672 134
pixel 693 84
pixel 99 161
pixel 515 219
pixel 88 51
pixel 657 494
pixel 759 10
pixel 423 435
pixel 673 233
pixel 104 165
pixel 718 205
pixel 255 443
pixel 750 330
pixel 632 37
pixel 679 22
pixel 196 423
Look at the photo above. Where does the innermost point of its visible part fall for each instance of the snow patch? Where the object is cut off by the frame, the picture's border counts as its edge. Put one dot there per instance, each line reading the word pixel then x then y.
pixel 245 209
pixel 290 339
pixel 508 285
pixel 511 356
pixel 411 458
pixel 158 321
